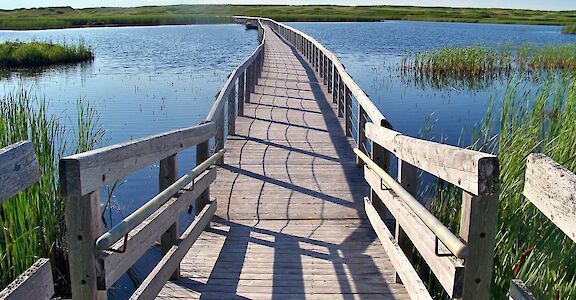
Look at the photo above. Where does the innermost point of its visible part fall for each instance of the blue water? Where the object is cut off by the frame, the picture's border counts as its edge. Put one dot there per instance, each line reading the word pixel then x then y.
pixel 372 53
pixel 146 80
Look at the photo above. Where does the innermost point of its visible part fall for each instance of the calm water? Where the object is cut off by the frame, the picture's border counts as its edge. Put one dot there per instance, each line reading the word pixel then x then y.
pixel 372 52
pixel 147 80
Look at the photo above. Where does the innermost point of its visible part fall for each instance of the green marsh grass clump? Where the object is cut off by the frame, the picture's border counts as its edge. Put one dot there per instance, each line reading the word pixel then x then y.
pixel 32 222
pixel 528 245
pixel 569 29
pixel 37 54
pixel 476 67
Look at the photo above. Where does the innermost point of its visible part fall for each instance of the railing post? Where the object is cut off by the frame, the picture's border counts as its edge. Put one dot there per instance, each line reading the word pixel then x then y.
pixel 248 83
pixel 360 137
pixel 82 217
pixel 254 80
pixel 202 154
pixel 325 69
pixel 340 97
pixel 408 178
pixel 331 81
pixel 220 136
pixel 348 110
pixel 232 111
pixel 479 217
pixel 241 97
pixel 168 174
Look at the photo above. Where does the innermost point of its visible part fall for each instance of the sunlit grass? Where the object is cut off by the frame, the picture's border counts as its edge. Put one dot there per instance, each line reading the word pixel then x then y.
pixel 32 222
pixel 36 54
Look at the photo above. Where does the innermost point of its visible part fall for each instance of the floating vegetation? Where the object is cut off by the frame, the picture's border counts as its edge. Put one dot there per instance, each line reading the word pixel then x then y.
pixel 569 29
pixel 37 54
pixel 477 67
pixel 32 222
pixel 528 245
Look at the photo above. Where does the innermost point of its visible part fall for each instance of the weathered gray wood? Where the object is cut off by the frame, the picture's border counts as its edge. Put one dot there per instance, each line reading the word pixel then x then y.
pixel 146 234
pixel 402 266
pixel 519 291
pixel 202 154
pixel 19 168
pixel 82 215
pixel 232 112
pixel 458 166
pixel 86 172
pixel 220 138
pixel 479 216
pixel 408 178
pixel 241 94
pixel 448 270
pixel 34 283
pixel 348 110
pixel 170 262
pixel 552 189
pixel 360 136
pixel 168 174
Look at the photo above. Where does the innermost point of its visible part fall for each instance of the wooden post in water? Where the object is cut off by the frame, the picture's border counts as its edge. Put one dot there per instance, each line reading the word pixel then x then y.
pixel 202 154
pixel 408 178
pixel 168 174
pixel 232 111
pixel 241 97
pixel 83 228
pixel 348 110
pixel 478 221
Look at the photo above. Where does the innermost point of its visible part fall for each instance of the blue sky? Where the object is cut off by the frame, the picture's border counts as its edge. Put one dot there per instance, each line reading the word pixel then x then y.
pixel 528 4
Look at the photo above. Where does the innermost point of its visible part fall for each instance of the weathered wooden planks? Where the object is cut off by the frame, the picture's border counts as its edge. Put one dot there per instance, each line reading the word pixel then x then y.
pixel 19 168
pixel 552 189
pixel 34 283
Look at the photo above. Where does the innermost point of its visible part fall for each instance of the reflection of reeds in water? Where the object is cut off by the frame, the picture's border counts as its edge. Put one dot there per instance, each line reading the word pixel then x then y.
pixel 528 245
pixel 32 222
pixel 36 54
pixel 476 68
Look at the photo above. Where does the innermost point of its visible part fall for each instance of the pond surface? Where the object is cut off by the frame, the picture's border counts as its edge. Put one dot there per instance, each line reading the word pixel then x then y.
pixel 146 80
pixel 372 53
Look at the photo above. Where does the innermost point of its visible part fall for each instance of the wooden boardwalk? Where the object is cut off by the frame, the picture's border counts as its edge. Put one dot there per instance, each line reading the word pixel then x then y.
pixel 290 222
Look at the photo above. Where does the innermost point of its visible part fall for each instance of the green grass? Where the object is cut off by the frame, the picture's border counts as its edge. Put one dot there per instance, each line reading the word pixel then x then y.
pixel 62 17
pixel 569 29
pixel 476 67
pixel 528 245
pixel 32 223
pixel 36 54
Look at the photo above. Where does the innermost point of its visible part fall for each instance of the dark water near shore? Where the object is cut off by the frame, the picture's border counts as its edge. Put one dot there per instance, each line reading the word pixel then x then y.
pixel 147 80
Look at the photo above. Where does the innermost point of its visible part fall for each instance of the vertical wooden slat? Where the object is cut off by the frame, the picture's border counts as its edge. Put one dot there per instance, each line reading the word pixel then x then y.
pixel 360 137
pixel 232 111
pixel 340 97
pixel 408 178
pixel 241 96
pixel 168 174
pixel 478 228
pixel 348 110
pixel 248 83
pixel 220 136
pixel 82 216
pixel 202 154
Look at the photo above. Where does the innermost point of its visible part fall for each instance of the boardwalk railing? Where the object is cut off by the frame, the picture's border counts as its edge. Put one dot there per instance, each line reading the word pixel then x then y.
pixel 463 265
pixel 98 260
pixel 19 169
pixel 552 189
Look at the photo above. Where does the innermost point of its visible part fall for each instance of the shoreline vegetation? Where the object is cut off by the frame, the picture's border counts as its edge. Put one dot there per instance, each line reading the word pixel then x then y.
pixel 67 17
pixel 569 29
pixel 37 54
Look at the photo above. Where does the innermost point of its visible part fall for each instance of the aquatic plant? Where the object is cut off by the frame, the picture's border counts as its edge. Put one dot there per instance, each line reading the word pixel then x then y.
pixel 36 54
pixel 528 245
pixel 569 29
pixel 32 222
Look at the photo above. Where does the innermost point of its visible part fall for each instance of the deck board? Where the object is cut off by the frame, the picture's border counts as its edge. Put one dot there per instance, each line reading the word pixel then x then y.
pixel 290 222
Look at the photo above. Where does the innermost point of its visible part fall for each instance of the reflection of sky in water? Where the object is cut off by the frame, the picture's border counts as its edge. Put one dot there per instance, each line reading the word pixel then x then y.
pixel 372 53
pixel 144 80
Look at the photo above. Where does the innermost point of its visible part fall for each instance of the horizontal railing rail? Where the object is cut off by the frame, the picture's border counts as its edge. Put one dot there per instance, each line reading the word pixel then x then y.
pixel 19 169
pixel 464 265
pixel 552 189
pixel 98 260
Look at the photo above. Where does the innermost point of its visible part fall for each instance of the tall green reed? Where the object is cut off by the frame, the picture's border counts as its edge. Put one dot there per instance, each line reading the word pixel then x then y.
pixel 36 54
pixel 32 222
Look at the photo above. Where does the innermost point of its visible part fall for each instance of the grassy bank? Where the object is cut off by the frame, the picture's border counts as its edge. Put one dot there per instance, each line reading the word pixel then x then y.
pixel 32 222
pixel 36 54
pixel 569 29
pixel 62 17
